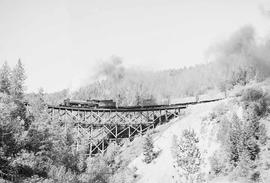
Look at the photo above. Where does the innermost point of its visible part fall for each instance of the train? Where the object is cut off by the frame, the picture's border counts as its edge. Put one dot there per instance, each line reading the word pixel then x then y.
pixel 108 104
pixel 90 103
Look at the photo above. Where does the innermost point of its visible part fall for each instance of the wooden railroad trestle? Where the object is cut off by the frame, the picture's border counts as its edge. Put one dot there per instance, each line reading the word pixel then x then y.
pixel 96 128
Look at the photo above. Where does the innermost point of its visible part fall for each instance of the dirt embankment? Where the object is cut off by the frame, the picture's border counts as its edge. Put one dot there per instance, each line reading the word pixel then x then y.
pixel 162 168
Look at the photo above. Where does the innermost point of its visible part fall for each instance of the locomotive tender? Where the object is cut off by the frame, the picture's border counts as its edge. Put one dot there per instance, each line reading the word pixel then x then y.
pixel 90 103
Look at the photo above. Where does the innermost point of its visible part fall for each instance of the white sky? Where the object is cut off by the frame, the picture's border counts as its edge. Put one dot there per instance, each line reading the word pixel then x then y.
pixel 60 41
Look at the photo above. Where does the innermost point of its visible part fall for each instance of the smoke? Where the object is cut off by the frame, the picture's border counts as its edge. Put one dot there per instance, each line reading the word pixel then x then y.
pixel 111 69
pixel 239 43
pixel 242 51
pixel 262 59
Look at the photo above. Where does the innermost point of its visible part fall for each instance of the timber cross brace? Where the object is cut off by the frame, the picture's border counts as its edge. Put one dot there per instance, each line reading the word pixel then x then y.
pixel 95 129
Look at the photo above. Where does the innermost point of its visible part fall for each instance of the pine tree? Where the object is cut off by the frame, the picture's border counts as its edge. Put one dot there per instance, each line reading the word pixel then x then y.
pixel 188 156
pixel 148 149
pixel 17 81
pixel 5 74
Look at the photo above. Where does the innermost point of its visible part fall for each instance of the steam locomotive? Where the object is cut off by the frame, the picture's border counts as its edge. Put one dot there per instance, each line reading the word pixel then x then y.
pixel 108 104
pixel 91 103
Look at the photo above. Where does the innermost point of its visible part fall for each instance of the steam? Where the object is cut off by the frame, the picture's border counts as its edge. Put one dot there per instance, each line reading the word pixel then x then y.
pixel 242 50
pixel 240 43
pixel 112 69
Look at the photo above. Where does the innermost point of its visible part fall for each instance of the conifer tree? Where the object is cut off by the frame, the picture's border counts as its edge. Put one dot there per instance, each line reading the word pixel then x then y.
pixel 148 149
pixel 5 74
pixel 188 156
pixel 17 81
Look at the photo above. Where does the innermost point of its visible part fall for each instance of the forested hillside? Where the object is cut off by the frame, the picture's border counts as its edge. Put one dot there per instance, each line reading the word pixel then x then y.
pixel 35 148
pixel 236 61
pixel 225 141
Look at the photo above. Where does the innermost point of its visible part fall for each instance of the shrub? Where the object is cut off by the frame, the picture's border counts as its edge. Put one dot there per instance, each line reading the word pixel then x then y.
pixel 97 171
pixel 218 111
pixel 111 157
pixel 252 94
pixel 219 163
pixel 255 102
pixel 256 176
pixel 63 175
pixel 148 149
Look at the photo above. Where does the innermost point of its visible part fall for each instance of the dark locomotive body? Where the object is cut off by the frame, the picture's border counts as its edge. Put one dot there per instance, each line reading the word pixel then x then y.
pixel 93 103
pixel 103 103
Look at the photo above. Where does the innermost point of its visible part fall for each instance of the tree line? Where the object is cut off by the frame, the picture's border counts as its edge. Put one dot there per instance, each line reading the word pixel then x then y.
pixel 12 80
pixel 35 148
pixel 239 60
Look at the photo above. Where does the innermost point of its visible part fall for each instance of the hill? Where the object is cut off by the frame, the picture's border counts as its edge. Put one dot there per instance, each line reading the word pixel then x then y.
pixel 222 129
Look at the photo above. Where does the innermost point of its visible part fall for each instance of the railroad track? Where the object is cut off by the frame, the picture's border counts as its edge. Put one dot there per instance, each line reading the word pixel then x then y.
pixel 135 108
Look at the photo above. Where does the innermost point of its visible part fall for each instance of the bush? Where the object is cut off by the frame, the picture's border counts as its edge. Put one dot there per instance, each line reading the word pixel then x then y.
pixel 112 157
pixel 252 94
pixel 148 149
pixel 255 102
pixel 97 171
pixel 255 177
pixel 63 175
pixel 219 163
pixel 218 111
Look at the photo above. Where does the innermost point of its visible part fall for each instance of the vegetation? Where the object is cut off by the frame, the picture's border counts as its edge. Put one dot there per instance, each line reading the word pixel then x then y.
pixel 187 156
pixel 35 148
pixel 148 149
pixel 242 140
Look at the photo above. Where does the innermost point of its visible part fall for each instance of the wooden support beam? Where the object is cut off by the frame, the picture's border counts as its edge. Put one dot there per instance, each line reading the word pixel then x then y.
pixel 129 132
pixel 160 121
pixel 103 147
pixel 101 127
pixel 116 131
pixel 91 149
pixel 166 117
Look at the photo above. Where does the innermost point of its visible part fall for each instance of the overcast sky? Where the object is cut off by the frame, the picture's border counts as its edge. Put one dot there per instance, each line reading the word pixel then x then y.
pixel 60 41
